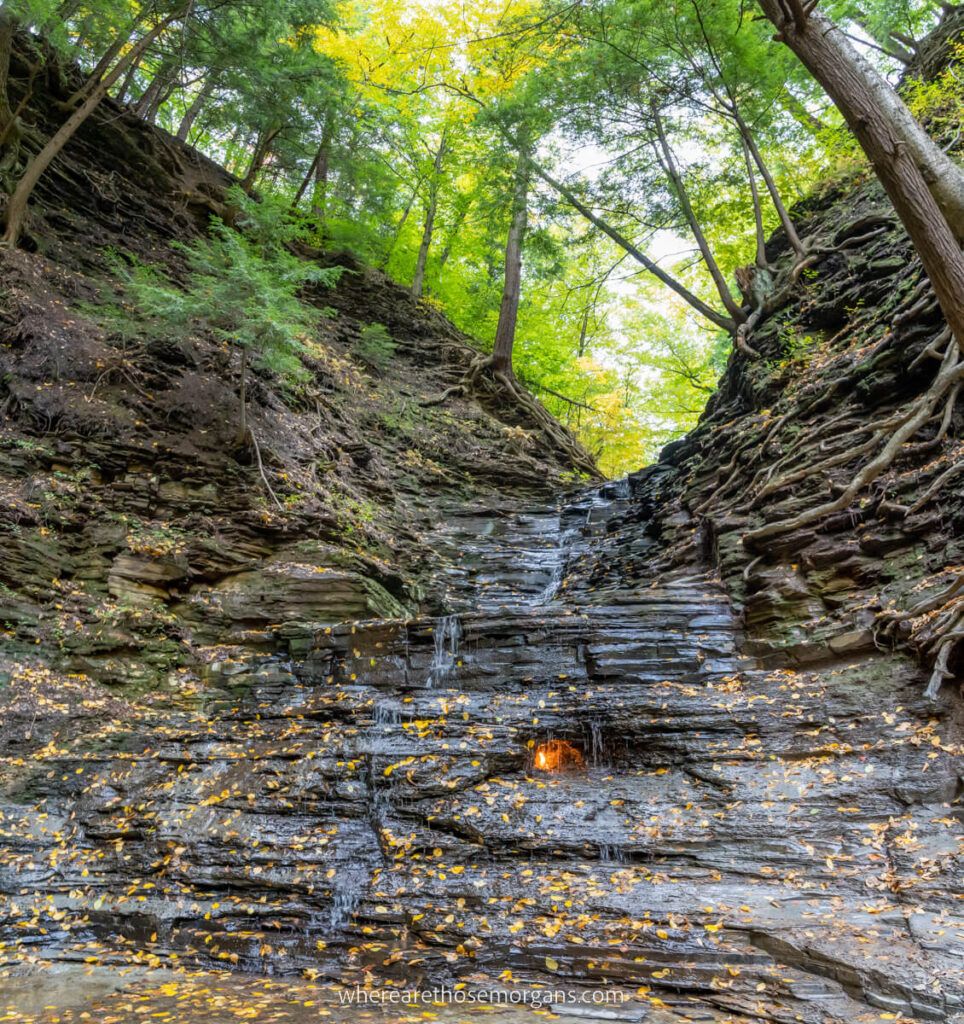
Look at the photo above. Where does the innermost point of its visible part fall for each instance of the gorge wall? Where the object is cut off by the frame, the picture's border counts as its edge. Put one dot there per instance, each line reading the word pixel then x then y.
pixel 305 740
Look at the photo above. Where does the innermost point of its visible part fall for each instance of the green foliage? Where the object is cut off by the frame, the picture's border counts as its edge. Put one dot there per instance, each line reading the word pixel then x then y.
pixel 340 111
pixel 797 345
pixel 374 346
pixel 243 289
pixel 939 102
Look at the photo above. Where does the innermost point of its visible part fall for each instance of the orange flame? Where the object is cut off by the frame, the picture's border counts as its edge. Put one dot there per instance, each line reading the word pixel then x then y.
pixel 555 755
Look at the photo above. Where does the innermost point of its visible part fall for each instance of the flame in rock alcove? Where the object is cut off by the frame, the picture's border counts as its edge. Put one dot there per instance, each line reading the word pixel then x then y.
pixel 556 755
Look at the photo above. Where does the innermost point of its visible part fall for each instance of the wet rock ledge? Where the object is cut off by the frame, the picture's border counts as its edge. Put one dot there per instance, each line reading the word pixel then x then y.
pixel 730 841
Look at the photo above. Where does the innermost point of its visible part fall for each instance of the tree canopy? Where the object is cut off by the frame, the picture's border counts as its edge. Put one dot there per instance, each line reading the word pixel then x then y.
pixel 653 148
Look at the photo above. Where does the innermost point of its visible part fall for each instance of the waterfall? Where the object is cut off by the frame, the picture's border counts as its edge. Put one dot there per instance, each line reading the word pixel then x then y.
pixel 353 880
pixel 597 747
pixel 559 568
pixel 448 634
pixel 385 716
pixel 611 853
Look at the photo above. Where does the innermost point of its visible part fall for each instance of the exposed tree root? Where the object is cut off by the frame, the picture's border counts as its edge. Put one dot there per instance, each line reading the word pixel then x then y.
pixel 264 476
pixel 933 627
pixel 783 290
pixel 455 391
pixel 907 423
pixel 933 350
pixel 948 474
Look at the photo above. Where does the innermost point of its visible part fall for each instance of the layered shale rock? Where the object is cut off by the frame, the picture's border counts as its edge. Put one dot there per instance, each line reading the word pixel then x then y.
pixel 447 715
pixel 748 844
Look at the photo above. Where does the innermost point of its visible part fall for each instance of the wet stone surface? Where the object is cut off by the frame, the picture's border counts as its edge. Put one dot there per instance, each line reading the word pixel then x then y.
pixel 728 842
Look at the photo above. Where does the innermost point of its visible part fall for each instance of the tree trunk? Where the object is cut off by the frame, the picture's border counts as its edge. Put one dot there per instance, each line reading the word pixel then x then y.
pixel 17 206
pixel 782 211
pixel 121 95
pixel 192 112
pixel 67 10
pixel 318 172
pixel 876 114
pixel 319 195
pixel 100 68
pixel 726 96
pixel 882 130
pixel 306 180
pixel 8 27
pixel 665 156
pixel 431 208
pixel 624 243
pixel 149 99
pixel 258 157
pixel 761 246
pixel 161 96
pixel 383 262
pixel 583 330
pixel 512 286
pixel 895 49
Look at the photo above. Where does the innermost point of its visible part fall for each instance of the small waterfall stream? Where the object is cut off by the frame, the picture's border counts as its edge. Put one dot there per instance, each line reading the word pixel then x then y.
pixel 561 552
pixel 448 635
pixel 380 746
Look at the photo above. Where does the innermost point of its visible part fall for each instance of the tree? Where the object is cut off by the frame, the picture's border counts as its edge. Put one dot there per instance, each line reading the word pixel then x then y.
pixel 431 210
pixel 197 104
pixel 8 28
pixel 924 184
pixel 512 274
pixel 16 208
pixel 640 86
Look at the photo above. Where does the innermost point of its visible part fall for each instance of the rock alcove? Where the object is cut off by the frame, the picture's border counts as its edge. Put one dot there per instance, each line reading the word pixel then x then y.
pixel 558 755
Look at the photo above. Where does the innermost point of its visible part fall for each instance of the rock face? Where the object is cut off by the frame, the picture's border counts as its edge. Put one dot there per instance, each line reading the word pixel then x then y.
pixel 747 843
pixel 313 740
pixel 138 535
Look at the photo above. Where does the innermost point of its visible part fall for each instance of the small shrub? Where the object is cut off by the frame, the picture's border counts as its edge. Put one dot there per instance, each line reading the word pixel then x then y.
pixel 243 289
pixel 374 346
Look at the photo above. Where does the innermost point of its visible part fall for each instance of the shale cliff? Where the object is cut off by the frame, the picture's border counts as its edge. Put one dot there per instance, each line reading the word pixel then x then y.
pixel 139 532
pixel 447 714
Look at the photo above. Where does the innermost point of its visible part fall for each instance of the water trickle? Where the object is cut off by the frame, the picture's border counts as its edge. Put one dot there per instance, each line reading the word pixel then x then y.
pixel 385 717
pixel 559 567
pixel 448 635
pixel 611 853
pixel 351 882
pixel 597 746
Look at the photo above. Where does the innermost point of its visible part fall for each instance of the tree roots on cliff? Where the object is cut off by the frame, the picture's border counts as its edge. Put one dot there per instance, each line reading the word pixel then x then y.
pixel 783 289
pixel 249 435
pixel 934 628
pixel 498 388
pixel 887 438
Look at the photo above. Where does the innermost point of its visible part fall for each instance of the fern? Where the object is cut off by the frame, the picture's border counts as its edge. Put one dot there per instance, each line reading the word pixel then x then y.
pixel 244 289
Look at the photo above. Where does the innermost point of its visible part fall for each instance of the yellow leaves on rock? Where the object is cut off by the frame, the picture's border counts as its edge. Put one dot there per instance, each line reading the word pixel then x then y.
pixel 404 763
